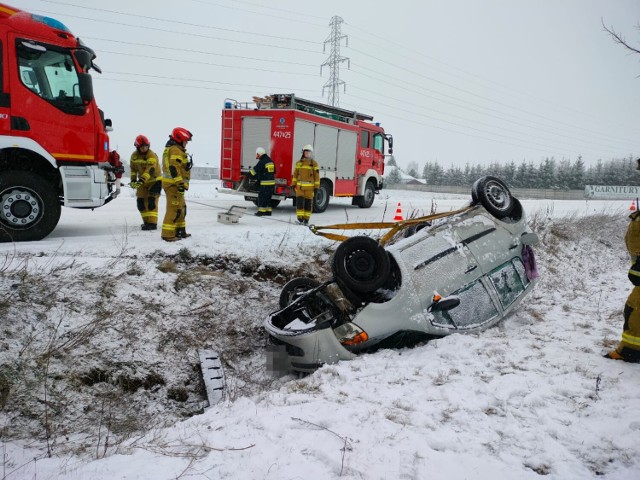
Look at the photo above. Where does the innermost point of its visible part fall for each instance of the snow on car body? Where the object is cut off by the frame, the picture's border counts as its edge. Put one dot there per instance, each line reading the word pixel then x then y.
pixel 462 274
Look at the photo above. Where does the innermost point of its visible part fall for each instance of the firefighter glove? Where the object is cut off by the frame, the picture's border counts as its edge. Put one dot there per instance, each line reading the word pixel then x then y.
pixel 189 164
pixel 136 184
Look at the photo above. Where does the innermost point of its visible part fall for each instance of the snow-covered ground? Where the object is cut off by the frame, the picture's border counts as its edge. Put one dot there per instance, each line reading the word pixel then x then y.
pixel 101 321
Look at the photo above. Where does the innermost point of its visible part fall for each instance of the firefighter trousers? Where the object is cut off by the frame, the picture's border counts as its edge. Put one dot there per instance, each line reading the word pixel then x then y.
pixel 174 218
pixel 629 347
pixel 264 198
pixel 304 202
pixel 147 199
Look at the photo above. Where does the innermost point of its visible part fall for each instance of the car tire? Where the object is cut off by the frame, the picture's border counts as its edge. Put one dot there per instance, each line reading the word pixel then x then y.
pixel 29 207
pixel 361 265
pixel 321 198
pixel 495 197
pixel 294 288
pixel 474 192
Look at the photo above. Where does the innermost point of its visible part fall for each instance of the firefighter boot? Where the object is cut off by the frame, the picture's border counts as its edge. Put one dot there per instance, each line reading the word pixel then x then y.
pixel 148 226
pixel 181 232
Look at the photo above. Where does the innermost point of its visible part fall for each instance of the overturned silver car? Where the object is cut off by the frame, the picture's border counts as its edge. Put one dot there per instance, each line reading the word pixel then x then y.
pixel 457 274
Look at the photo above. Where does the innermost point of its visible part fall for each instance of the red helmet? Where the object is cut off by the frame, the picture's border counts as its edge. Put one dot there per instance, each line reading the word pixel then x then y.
pixel 141 141
pixel 180 134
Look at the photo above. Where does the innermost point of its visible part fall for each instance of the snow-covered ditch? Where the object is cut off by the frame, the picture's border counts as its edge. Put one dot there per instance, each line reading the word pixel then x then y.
pixel 99 372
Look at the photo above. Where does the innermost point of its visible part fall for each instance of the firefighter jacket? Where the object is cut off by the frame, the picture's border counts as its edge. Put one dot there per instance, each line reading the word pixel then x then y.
pixel 145 167
pixel 632 237
pixel 174 166
pixel 306 174
pixel 264 171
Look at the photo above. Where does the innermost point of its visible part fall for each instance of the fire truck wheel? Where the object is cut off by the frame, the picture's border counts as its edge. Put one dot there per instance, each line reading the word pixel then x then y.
pixel 321 200
pixel 361 264
pixel 369 195
pixel 29 207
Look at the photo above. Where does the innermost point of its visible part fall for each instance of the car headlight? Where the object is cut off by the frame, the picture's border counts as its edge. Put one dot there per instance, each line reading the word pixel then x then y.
pixel 350 334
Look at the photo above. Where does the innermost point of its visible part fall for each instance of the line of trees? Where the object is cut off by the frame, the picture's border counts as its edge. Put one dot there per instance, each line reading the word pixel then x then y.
pixel 549 173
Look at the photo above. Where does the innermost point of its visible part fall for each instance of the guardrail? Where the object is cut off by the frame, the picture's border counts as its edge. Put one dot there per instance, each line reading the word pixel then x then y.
pixel 546 193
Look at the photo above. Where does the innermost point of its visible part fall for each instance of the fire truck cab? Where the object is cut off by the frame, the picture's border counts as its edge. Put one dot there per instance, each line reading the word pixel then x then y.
pixel 349 148
pixel 54 146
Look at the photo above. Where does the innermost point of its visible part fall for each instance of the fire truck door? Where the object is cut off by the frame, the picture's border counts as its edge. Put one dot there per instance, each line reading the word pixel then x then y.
pixel 5 111
pixel 46 103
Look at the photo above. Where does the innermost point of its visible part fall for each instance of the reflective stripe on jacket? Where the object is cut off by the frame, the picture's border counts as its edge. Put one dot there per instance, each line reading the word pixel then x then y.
pixel 145 167
pixel 264 171
pixel 174 162
pixel 306 174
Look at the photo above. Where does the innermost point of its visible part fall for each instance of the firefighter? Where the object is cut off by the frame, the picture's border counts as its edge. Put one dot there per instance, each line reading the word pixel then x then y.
pixel 117 168
pixel 306 180
pixel 146 178
pixel 629 347
pixel 265 173
pixel 176 173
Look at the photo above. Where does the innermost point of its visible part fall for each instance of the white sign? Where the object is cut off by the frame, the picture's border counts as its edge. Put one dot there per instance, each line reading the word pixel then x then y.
pixel 611 192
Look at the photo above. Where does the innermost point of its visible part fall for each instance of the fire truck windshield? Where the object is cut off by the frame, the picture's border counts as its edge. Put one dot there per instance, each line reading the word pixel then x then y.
pixel 50 73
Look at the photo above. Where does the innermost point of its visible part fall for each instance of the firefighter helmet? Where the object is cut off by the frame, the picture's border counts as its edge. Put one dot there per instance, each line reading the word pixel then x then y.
pixel 141 141
pixel 260 151
pixel 307 147
pixel 181 135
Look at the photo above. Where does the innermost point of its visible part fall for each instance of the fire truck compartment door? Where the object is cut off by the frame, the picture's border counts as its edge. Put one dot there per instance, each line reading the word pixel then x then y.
pixel 326 147
pixel 256 132
pixel 347 142
pixel 304 135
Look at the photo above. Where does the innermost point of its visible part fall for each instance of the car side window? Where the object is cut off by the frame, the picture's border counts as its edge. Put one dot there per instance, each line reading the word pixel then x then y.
pixel 364 139
pixel 476 308
pixel 507 282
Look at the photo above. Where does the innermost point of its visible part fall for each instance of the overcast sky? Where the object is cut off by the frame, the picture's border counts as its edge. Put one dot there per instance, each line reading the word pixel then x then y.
pixel 455 81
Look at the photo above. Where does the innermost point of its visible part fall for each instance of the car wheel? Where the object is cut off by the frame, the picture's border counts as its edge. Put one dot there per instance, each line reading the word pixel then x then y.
pixel 29 207
pixel 495 197
pixel 368 196
pixel 361 264
pixel 294 288
pixel 474 192
pixel 321 199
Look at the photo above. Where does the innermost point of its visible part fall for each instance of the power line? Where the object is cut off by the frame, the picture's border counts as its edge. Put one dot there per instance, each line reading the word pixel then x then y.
pixel 415 59
pixel 399 84
pixel 472 94
pixel 191 62
pixel 174 21
pixel 522 140
pixel 164 30
pixel 200 51
pixel 504 129
pixel 259 13
pixel 183 79
pixel 456 131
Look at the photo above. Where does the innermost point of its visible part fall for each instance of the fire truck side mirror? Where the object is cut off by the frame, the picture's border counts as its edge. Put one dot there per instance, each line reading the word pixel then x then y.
pixel 390 140
pixel 86 87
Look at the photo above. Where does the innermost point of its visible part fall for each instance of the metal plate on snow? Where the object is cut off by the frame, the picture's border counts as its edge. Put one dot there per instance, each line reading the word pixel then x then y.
pixel 212 374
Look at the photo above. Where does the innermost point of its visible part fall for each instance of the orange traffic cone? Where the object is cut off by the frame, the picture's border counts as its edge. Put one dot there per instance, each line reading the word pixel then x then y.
pixel 398 217
pixel 632 207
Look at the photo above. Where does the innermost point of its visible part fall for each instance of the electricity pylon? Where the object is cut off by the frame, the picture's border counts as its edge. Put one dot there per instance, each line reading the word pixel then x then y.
pixel 334 61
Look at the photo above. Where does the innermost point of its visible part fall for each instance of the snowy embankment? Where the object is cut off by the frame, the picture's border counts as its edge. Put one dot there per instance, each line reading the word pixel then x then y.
pixel 98 367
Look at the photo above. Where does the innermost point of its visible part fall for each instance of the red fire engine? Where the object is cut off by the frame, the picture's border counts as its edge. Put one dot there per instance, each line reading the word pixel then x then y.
pixel 54 145
pixel 349 149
